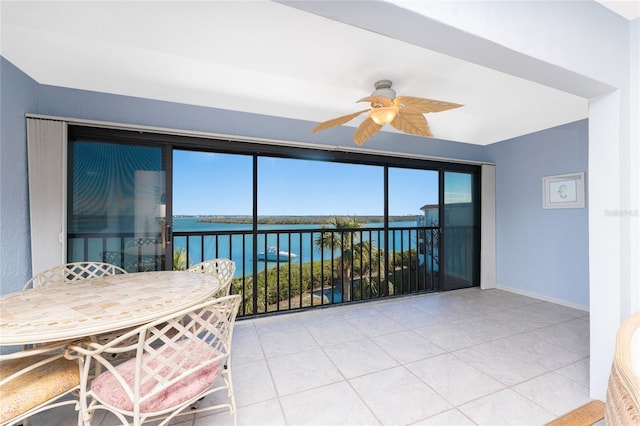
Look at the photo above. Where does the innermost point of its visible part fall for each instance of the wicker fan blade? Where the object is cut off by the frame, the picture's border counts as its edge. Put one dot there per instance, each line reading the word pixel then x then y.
pixel 365 130
pixel 337 121
pixel 377 101
pixel 408 111
pixel 414 124
pixel 423 105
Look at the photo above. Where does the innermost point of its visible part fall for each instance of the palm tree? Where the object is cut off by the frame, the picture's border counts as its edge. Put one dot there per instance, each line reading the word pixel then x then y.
pixel 180 259
pixel 370 265
pixel 347 241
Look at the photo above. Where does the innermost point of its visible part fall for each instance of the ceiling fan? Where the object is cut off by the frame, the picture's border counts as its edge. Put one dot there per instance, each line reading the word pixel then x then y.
pixel 405 113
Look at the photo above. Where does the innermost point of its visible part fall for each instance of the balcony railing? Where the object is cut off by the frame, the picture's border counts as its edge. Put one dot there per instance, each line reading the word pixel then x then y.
pixel 284 270
pixel 317 267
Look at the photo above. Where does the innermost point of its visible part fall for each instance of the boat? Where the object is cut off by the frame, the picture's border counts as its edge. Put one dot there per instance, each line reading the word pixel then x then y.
pixel 273 255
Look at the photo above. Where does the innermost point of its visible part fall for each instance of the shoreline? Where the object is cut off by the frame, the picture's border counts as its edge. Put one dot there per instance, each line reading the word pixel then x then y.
pixel 295 220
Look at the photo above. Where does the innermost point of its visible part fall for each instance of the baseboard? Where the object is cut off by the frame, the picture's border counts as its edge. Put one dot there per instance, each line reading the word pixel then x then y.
pixel 590 413
pixel 544 298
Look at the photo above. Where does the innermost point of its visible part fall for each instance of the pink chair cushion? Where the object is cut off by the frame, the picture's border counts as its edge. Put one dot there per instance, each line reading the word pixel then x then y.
pixel 107 388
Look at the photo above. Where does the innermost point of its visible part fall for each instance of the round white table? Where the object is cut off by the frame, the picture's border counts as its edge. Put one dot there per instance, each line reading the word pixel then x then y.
pixel 99 305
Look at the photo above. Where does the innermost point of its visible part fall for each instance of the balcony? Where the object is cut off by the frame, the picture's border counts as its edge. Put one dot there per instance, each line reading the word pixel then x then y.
pixel 455 358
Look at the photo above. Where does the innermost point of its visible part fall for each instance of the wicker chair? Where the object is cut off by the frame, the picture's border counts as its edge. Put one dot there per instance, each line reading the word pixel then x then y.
pixel 126 262
pixel 169 373
pixel 71 272
pixel 36 380
pixel 143 261
pixel 137 242
pixel 221 268
pixel 623 392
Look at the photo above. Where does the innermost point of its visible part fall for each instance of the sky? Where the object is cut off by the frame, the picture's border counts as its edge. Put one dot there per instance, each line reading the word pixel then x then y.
pixel 221 184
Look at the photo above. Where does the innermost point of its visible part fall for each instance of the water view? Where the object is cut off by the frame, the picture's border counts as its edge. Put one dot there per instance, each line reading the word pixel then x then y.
pixel 297 241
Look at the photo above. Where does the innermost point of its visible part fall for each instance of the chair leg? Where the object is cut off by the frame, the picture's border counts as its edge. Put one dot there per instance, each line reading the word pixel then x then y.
pixel 80 420
pixel 231 394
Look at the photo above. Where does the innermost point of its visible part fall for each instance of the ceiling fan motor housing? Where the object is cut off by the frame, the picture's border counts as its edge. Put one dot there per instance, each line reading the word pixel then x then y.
pixel 383 88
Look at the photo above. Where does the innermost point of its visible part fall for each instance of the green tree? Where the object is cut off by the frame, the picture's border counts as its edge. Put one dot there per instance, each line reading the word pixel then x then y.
pixel 369 267
pixel 344 237
pixel 179 259
pixel 278 285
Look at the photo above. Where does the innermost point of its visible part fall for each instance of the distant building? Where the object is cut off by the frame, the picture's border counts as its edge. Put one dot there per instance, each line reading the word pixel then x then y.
pixel 455 214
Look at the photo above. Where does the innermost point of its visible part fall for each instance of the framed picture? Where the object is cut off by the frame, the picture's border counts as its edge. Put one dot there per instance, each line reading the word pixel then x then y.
pixel 563 191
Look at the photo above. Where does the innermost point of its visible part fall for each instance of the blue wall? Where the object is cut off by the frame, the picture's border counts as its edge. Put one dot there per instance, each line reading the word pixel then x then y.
pixel 83 104
pixel 541 252
pixel 19 95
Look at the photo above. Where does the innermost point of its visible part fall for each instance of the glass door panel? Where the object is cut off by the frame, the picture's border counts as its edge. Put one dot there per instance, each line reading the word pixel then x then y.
pixel 413 229
pixel 212 200
pixel 310 192
pixel 117 205
pixel 317 211
pixel 460 231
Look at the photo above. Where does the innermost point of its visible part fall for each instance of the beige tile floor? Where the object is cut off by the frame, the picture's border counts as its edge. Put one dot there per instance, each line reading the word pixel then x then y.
pixel 468 357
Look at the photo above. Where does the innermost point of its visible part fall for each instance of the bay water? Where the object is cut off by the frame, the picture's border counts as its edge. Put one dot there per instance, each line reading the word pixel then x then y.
pixel 239 248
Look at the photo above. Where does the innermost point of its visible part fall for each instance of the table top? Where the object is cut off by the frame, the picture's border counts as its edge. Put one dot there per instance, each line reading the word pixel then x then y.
pixel 98 305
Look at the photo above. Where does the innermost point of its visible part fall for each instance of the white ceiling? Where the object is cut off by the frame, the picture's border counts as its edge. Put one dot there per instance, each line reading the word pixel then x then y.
pixel 267 58
pixel 629 9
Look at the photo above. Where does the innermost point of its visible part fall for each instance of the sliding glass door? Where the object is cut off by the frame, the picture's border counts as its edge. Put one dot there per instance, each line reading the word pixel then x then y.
pixel 304 228
pixel 117 204
pixel 460 231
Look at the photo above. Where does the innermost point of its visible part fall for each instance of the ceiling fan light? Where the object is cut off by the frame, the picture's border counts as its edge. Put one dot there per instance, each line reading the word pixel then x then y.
pixel 383 115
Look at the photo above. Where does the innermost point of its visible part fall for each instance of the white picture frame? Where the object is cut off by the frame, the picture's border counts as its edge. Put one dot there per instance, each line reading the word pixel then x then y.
pixel 563 191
